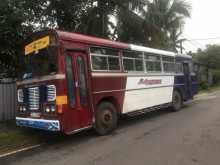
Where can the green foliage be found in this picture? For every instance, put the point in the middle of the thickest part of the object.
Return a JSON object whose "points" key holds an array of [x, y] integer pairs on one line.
{"points": [[216, 77], [203, 85], [209, 57], [12, 30], [156, 23]]}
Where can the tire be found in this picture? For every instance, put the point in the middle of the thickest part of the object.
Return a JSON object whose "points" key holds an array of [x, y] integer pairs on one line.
{"points": [[177, 101], [106, 118]]}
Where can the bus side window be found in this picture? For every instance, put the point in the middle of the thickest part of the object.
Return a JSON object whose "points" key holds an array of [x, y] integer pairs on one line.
{"points": [[105, 59], [179, 68], [70, 81], [152, 62], [82, 81], [133, 61], [168, 64]]}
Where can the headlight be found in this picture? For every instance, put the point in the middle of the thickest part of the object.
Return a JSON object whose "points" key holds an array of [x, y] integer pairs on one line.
{"points": [[20, 96], [53, 109], [24, 109], [50, 109], [47, 110], [51, 93]]}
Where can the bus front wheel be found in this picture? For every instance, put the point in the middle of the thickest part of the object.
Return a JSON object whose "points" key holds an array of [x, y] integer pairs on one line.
{"points": [[177, 101], [106, 118]]}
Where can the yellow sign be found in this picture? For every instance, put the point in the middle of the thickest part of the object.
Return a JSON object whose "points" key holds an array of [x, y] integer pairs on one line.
{"points": [[37, 45], [61, 100]]}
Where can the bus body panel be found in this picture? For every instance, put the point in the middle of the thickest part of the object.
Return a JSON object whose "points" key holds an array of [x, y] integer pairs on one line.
{"points": [[128, 91], [108, 87], [147, 91]]}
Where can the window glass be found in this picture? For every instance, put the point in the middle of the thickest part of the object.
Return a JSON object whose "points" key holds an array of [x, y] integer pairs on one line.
{"points": [[179, 68], [149, 66], [191, 67], [168, 59], [40, 63], [99, 63], [168, 67], [128, 64], [132, 54], [152, 62], [82, 81], [104, 51], [113, 63], [153, 66], [70, 81], [139, 65], [151, 57], [133, 61], [105, 59], [168, 64], [157, 66]]}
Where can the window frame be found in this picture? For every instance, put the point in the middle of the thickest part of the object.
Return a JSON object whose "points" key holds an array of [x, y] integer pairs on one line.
{"points": [[121, 58], [81, 94], [105, 55], [179, 63], [169, 62], [159, 61], [133, 61], [72, 97]]}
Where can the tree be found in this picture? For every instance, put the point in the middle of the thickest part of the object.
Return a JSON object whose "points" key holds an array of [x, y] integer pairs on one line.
{"points": [[155, 23], [209, 57], [12, 32], [164, 22]]}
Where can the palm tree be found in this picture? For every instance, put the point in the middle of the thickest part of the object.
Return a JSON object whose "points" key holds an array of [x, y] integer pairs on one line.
{"points": [[96, 19], [130, 21], [164, 21]]}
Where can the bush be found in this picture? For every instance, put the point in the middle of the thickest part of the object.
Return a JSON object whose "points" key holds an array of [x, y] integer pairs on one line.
{"points": [[203, 85], [216, 77]]}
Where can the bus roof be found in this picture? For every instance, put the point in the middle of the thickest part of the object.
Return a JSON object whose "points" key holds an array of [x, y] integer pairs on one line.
{"points": [[108, 43], [91, 40], [151, 50], [184, 56]]}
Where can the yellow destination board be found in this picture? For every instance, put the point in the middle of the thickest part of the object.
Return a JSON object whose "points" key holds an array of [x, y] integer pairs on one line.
{"points": [[37, 45]]}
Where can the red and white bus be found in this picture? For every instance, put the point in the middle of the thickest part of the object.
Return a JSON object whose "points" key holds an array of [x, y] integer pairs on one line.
{"points": [[71, 82]]}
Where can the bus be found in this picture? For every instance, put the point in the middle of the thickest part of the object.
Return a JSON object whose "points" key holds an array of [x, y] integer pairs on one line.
{"points": [[71, 82]]}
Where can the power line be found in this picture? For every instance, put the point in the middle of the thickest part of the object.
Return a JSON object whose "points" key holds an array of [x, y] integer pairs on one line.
{"points": [[205, 39]]}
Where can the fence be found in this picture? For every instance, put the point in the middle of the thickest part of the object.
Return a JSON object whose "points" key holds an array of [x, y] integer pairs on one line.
{"points": [[8, 99]]}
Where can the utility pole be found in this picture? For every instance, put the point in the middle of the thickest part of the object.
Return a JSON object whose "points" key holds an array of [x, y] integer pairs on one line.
{"points": [[181, 46]]}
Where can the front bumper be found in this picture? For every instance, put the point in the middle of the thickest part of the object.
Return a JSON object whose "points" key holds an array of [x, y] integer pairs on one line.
{"points": [[50, 125]]}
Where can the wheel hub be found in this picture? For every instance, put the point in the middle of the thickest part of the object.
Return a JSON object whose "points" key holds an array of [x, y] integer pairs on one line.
{"points": [[106, 118]]}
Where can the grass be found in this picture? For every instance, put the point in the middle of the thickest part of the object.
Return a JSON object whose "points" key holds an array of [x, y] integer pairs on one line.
{"points": [[210, 89], [13, 137]]}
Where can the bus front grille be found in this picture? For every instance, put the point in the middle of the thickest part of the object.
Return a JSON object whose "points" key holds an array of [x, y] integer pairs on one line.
{"points": [[34, 98]]}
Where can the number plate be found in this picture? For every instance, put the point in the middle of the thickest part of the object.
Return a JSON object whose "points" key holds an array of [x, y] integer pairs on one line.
{"points": [[35, 115]]}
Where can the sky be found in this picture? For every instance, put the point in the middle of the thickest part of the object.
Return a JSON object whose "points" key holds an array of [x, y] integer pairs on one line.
{"points": [[203, 24]]}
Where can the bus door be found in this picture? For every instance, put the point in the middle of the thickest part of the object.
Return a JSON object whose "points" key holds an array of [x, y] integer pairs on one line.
{"points": [[79, 113], [187, 82]]}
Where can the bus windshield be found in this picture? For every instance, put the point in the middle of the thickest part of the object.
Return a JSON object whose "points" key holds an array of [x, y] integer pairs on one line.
{"points": [[40, 63]]}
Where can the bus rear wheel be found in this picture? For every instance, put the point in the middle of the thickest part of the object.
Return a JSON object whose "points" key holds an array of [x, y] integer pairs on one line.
{"points": [[177, 101], [106, 118]]}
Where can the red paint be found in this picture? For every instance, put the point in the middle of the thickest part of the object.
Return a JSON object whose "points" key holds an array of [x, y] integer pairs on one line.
{"points": [[99, 88], [74, 37]]}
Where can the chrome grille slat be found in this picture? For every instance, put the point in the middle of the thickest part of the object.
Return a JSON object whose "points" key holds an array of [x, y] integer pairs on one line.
{"points": [[34, 98], [51, 93], [20, 95]]}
